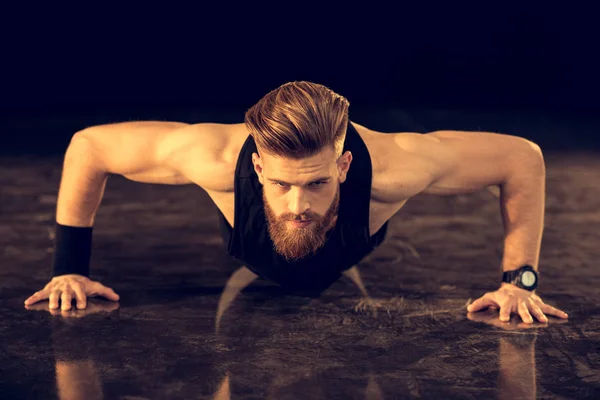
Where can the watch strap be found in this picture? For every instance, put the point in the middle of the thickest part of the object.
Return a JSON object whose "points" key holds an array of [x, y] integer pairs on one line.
{"points": [[510, 276]]}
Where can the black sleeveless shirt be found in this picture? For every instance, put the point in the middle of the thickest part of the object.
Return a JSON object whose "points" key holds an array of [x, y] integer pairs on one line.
{"points": [[348, 243]]}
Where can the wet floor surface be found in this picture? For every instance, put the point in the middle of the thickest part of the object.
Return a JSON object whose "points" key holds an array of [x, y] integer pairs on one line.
{"points": [[193, 324]]}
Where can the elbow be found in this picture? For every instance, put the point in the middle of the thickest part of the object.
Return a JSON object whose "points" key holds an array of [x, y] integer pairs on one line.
{"points": [[537, 154], [82, 152], [80, 136], [79, 145], [532, 157], [535, 148]]}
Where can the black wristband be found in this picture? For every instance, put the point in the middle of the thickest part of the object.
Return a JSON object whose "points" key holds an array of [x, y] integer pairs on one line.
{"points": [[72, 250]]}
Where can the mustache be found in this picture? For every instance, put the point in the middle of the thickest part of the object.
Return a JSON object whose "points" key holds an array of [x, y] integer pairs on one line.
{"points": [[304, 217]]}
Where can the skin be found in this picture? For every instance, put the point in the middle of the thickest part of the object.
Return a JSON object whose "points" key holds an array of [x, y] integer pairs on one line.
{"points": [[301, 190], [404, 164], [294, 187]]}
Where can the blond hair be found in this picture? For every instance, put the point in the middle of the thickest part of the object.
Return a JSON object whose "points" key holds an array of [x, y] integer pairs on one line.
{"points": [[298, 119]]}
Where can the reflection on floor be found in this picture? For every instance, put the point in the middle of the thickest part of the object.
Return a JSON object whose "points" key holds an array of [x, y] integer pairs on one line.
{"points": [[193, 324]]}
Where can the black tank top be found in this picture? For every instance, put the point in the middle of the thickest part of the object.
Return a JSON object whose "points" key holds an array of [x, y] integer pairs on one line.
{"points": [[347, 244]]}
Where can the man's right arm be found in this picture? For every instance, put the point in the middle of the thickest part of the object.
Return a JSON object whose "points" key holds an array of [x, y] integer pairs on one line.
{"points": [[82, 185], [169, 153], [135, 150], [147, 151]]}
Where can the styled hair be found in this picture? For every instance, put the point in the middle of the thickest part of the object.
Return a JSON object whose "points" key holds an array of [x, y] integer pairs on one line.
{"points": [[298, 119]]}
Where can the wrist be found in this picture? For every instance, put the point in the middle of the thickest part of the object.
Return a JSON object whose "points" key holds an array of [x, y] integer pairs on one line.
{"points": [[72, 250], [525, 277]]}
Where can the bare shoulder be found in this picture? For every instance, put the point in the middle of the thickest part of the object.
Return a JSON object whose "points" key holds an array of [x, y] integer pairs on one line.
{"points": [[399, 172], [206, 154]]}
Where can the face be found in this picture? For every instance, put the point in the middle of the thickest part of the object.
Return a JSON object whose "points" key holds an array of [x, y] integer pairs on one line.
{"points": [[301, 199]]}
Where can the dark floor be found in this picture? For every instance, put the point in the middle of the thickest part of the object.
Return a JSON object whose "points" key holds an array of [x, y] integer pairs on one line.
{"points": [[180, 332]]}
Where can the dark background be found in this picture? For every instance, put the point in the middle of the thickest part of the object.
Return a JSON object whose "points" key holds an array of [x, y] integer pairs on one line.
{"points": [[524, 70], [527, 70]]}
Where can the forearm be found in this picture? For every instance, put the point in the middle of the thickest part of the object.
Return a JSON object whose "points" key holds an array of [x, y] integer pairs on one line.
{"points": [[522, 200], [81, 187]]}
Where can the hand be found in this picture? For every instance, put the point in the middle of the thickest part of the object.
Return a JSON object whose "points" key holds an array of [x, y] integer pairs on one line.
{"points": [[512, 299], [67, 287], [490, 317]]}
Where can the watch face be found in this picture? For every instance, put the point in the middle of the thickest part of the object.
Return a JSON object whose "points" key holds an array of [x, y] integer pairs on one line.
{"points": [[528, 278]]}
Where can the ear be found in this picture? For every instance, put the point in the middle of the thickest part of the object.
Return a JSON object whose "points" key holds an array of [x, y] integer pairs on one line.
{"points": [[343, 165], [258, 167]]}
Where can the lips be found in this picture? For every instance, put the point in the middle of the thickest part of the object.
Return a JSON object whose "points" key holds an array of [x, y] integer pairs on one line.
{"points": [[301, 223]]}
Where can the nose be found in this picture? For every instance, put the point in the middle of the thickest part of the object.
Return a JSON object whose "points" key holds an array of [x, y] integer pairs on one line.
{"points": [[298, 204]]}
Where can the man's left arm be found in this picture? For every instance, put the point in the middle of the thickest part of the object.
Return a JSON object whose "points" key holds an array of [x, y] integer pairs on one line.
{"points": [[465, 162]]}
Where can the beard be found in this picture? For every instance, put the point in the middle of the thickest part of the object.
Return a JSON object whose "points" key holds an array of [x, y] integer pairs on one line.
{"points": [[295, 243]]}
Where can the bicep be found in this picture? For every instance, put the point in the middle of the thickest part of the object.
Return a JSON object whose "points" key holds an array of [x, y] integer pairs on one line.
{"points": [[135, 150], [466, 162]]}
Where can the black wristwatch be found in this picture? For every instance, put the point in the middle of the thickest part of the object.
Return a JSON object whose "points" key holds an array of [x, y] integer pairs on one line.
{"points": [[525, 277]]}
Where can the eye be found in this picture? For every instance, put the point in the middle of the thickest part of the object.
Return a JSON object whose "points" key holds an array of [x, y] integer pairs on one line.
{"points": [[317, 184], [279, 184]]}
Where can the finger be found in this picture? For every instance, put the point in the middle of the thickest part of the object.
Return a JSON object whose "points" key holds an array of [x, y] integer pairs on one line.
{"points": [[536, 311], [524, 312], [36, 307], [107, 293], [37, 296], [80, 296], [481, 303], [549, 310], [505, 311], [54, 295], [66, 299]]}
